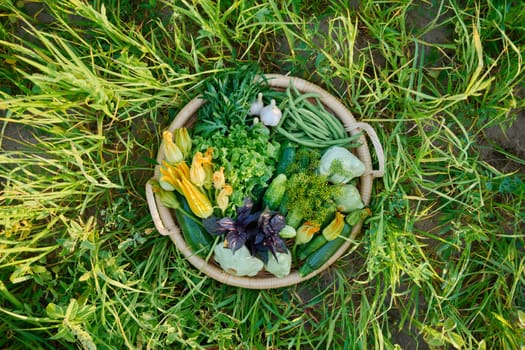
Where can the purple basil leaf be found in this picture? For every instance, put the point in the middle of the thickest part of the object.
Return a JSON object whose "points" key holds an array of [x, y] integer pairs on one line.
{"points": [[264, 219], [235, 240], [259, 238], [245, 210], [271, 248], [227, 224], [212, 226], [247, 219], [280, 245], [277, 222]]}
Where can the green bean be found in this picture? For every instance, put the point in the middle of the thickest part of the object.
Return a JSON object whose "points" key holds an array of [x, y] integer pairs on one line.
{"points": [[315, 134], [335, 123], [305, 96], [310, 123], [321, 126], [319, 143], [329, 118], [301, 141], [284, 116], [298, 134], [309, 127], [315, 119], [344, 141]]}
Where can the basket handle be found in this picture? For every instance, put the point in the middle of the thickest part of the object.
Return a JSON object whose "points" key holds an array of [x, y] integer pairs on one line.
{"points": [[375, 142], [152, 204]]}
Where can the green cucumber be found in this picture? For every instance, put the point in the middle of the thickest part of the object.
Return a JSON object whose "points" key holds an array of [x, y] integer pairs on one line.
{"points": [[286, 158], [294, 218], [303, 159], [192, 229], [275, 192], [283, 206], [319, 257]]}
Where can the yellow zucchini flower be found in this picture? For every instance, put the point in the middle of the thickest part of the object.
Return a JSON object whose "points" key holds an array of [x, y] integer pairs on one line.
{"points": [[306, 231], [223, 198], [335, 227], [177, 177], [172, 152], [167, 178], [199, 204], [208, 168], [183, 141], [218, 179], [197, 173], [201, 171]]}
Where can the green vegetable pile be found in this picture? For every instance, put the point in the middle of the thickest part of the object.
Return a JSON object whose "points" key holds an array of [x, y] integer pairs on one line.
{"points": [[287, 178]]}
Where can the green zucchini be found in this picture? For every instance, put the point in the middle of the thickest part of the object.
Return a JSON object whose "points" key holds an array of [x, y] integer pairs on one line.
{"points": [[317, 259], [275, 192], [305, 250], [192, 229]]}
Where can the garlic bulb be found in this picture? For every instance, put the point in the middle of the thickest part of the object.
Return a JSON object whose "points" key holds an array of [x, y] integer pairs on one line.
{"points": [[257, 105], [271, 114]]}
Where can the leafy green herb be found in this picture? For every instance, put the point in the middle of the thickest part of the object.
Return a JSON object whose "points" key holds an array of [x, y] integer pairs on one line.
{"points": [[311, 195], [228, 98]]}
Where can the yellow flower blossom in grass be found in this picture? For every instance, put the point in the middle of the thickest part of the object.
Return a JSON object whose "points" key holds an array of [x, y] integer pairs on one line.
{"points": [[172, 152]]}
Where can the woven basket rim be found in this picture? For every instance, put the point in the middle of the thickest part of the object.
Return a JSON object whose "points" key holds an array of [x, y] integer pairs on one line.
{"points": [[166, 224]]}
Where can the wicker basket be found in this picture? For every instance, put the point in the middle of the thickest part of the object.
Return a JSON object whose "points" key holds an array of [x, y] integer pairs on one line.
{"points": [[166, 224]]}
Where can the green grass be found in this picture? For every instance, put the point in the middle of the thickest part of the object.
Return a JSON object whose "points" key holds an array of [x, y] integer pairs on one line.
{"points": [[441, 262]]}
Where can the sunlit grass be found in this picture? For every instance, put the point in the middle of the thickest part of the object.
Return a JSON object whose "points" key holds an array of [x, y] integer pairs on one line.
{"points": [[83, 100]]}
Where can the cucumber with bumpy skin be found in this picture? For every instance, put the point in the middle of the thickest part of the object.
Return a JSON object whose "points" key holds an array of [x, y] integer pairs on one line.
{"points": [[318, 258], [275, 192], [294, 218], [286, 159], [283, 206]]}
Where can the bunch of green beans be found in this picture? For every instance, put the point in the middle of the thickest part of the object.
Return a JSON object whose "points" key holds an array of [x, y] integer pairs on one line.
{"points": [[310, 124]]}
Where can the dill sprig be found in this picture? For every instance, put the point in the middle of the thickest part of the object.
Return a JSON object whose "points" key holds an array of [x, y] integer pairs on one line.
{"points": [[310, 194]]}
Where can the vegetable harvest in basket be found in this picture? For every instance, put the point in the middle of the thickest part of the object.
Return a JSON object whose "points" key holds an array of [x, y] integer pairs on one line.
{"points": [[264, 180]]}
